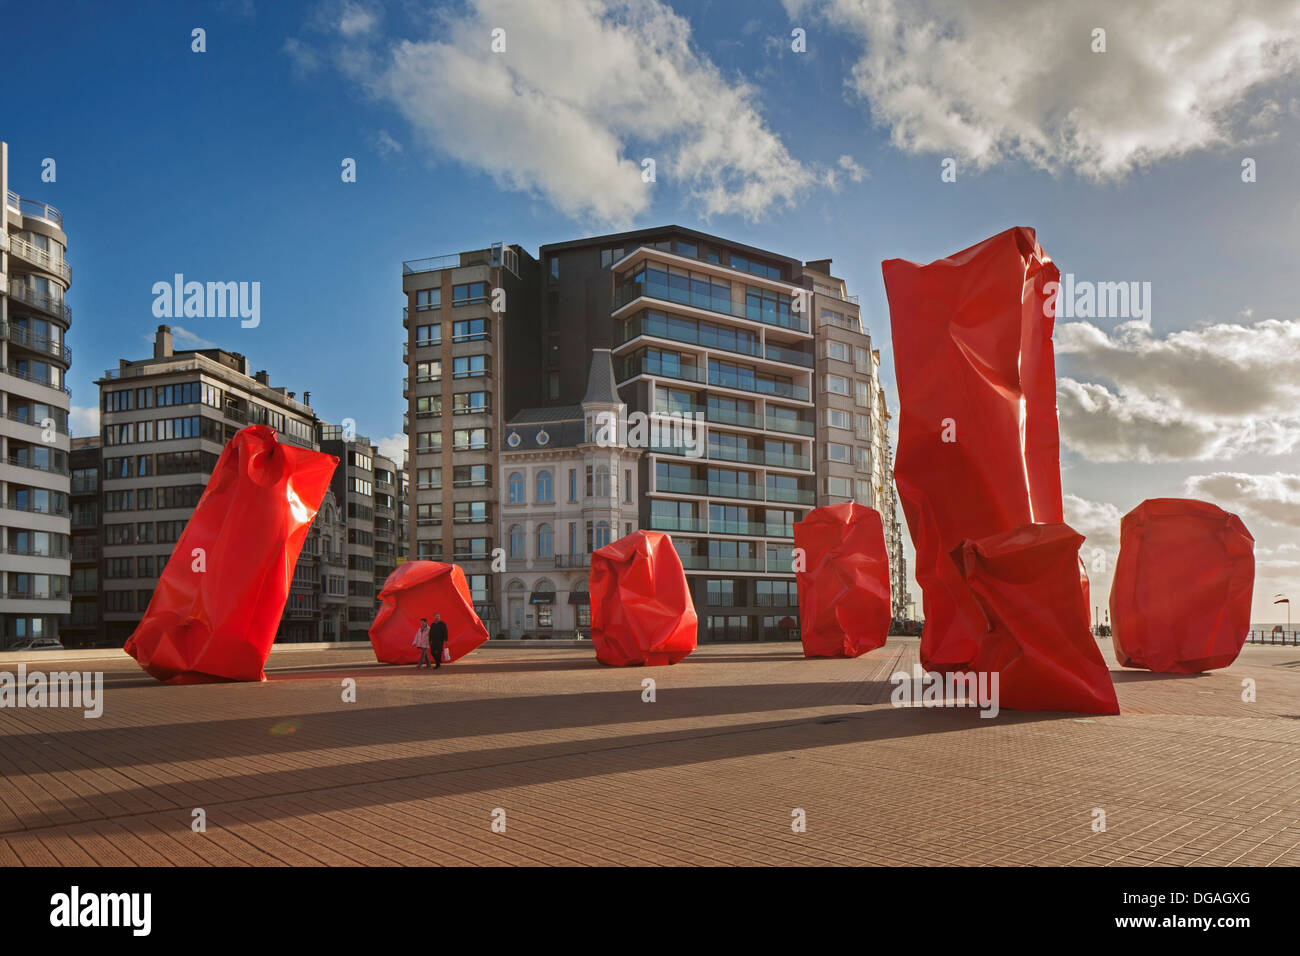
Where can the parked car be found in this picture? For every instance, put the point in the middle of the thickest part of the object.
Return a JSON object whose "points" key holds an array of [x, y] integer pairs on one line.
{"points": [[36, 644]]}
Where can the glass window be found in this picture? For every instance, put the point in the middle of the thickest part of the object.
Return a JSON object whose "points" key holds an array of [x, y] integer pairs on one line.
{"points": [[515, 486], [545, 487]]}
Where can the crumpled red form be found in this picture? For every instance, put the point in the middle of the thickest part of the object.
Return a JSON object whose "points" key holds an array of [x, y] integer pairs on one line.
{"points": [[844, 587], [1037, 623], [219, 600], [641, 607], [421, 589], [1180, 598], [978, 449]]}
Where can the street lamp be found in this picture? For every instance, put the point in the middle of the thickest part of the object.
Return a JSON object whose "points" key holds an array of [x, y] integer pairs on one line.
{"points": [[1283, 599]]}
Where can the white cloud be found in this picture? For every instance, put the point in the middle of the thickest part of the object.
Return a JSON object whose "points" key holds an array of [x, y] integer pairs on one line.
{"points": [[850, 166], [1214, 392], [355, 20], [302, 58], [190, 340], [394, 447], [1019, 79], [84, 420], [1274, 497], [385, 144], [584, 91], [1098, 521]]}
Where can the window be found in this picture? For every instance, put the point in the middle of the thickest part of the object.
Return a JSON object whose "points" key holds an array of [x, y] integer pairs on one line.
{"points": [[838, 351], [428, 479], [515, 486], [468, 366], [545, 487], [837, 452], [604, 483], [469, 293], [471, 512], [428, 371], [573, 537], [721, 593], [516, 541], [627, 486], [862, 360], [470, 476], [428, 443], [610, 256], [836, 384], [602, 534], [545, 541], [838, 419], [862, 394], [862, 427], [553, 385], [839, 487], [428, 299], [469, 330], [688, 249], [470, 439], [865, 495], [428, 406], [426, 335], [555, 267], [470, 403], [864, 459], [573, 484]]}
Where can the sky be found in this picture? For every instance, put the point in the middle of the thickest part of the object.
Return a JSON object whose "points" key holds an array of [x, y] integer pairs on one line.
{"points": [[1160, 151]]}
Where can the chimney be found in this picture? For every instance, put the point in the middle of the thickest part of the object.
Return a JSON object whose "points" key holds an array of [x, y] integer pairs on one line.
{"points": [[162, 342], [306, 399], [262, 378]]}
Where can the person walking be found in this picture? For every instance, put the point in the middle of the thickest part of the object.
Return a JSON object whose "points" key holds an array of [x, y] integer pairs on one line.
{"points": [[437, 639], [422, 642]]}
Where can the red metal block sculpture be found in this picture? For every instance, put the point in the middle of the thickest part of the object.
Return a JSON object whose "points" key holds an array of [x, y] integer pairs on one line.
{"points": [[641, 608], [421, 589], [844, 587], [1038, 637], [978, 451], [218, 603], [1180, 598]]}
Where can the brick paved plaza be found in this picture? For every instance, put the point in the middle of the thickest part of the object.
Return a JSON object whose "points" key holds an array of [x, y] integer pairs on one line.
{"points": [[587, 773]]}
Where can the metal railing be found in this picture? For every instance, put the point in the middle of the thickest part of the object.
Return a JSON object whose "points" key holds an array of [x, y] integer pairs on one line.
{"points": [[39, 257], [34, 208], [49, 469], [29, 377], [40, 300], [35, 341], [1273, 634], [455, 260]]}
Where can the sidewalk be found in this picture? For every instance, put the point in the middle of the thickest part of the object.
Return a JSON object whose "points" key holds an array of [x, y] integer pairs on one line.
{"points": [[584, 771]]}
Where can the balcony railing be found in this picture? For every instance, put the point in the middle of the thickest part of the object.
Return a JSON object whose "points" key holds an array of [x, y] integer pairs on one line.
{"points": [[34, 208], [35, 341], [678, 523], [631, 291], [795, 426], [52, 305], [455, 260], [797, 496], [39, 257], [23, 417], [29, 377], [48, 469], [572, 560]]}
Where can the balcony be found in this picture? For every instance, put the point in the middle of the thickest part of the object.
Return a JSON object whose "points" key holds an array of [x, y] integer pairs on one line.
{"points": [[48, 469], [40, 258], [730, 563], [795, 426], [678, 523], [39, 300], [754, 529], [24, 417], [725, 416], [455, 260], [628, 292], [796, 496], [735, 489], [33, 208], [633, 367], [573, 560], [776, 353]]}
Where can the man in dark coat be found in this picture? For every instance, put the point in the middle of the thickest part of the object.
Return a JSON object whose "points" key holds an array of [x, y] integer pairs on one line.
{"points": [[437, 639]]}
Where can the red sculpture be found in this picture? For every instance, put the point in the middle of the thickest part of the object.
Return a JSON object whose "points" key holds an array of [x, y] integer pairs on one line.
{"points": [[1180, 599], [978, 451], [1036, 620], [421, 589], [641, 608], [218, 602], [844, 587]]}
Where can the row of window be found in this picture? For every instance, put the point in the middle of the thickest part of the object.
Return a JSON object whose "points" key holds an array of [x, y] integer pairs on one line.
{"points": [[463, 294], [143, 499], [462, 439], [463, 403], [163, 463], [164, 429], [144, 532], [730, 593], [159, 396]]}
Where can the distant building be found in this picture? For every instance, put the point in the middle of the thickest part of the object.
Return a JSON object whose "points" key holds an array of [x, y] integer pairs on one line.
{"points": [[567, 489]]}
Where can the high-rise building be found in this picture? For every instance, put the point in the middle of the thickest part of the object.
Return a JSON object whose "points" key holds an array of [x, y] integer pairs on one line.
{"points": [[35, 530], [163, 422], [472, 334], [82, 628], [752, 369]]}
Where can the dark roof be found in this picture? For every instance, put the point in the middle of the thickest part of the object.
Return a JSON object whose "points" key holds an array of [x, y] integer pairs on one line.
{"points": [[555, 413], [559, 434], [601, 385], [657, 231]]}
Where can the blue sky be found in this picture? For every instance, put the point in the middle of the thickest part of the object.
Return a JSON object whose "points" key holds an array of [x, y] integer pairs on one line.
{"points": [[225, 165]]}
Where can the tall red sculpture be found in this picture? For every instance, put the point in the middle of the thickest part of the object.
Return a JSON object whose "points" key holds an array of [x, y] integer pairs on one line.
{"points": [[421, 589], [641, 607], [219, 600], [844, 586], [1180, 599], [978, 451], [1036, 620]]}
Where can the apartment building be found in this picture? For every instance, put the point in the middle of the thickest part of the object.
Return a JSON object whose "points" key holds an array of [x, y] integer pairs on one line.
{"points": [[472, 329], [163, 423], [35, 529], [81, 627], [317, 606], [570, 486], [765, 353]]}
